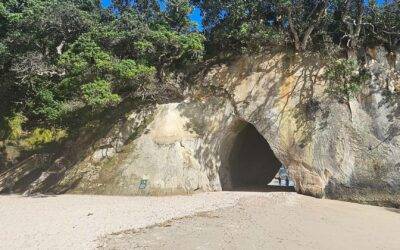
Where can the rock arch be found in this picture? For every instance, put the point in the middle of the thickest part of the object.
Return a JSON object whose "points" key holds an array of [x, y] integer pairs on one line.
{"points": [[247, 160]]}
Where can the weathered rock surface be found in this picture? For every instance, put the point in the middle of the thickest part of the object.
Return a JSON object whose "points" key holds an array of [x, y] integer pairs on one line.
{"points": [[174, 151], [338, 150], [330, 148]]}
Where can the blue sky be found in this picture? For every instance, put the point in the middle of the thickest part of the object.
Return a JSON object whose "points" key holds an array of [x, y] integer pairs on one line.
{"points": [[195, 15]]}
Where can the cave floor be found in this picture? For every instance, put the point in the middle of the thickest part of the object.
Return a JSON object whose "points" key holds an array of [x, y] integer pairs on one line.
{"points": [[221, 220]]}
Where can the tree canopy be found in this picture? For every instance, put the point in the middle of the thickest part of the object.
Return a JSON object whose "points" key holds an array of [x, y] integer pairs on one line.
{"points": [[59, 57], [63, 56], [303, 25]]}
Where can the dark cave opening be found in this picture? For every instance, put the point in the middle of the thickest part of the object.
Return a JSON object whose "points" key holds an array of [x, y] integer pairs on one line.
{"points": [[248, 162]]}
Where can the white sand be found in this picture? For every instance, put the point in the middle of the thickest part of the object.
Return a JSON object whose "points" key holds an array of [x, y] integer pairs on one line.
{"points": [[75, 222], [258, 221], [273, 221]]}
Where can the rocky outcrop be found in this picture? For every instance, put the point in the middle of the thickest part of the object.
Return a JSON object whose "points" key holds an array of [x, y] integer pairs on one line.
{"points": [[338, 150], [172, 152], [345, 151]]}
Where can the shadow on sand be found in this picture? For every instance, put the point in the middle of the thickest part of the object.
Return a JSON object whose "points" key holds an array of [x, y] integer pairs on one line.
{"points": [[394, 210], [267, 189], [35, 196]]}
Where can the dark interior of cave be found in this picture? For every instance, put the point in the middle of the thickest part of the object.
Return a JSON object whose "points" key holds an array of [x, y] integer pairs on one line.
{"points": [[250, 163]]}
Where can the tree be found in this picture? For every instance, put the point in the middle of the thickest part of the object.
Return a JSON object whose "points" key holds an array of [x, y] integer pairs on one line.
{"points": [[237, 26], [165, 48], [303, 17], [34, 33], [345, 79], [91, 70], [98, 94], [383, 25], [59, 57], [62, 57], [177, 15]]}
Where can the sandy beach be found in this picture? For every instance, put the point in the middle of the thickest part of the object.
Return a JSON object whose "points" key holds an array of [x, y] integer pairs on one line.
{"points": [[225, 220]]}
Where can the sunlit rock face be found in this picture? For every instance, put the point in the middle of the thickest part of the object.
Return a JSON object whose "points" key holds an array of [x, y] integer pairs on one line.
{"points": [[338, 150], [174, 151]]}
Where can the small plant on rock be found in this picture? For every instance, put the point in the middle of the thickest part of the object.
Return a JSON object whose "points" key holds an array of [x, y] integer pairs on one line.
{"points": [[345, 79], [14, 125]]}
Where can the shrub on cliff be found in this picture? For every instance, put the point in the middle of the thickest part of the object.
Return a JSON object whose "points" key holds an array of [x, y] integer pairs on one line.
{"points": [[345, 78]]}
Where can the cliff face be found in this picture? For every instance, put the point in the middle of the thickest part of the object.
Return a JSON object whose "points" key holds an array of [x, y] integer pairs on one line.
{"points": [[264, 111], [339, 150]]}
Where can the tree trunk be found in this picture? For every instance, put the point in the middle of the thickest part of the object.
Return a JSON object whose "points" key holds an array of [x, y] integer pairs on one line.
{"points": [[293, 31], [161, 75], [302, 45], [353, 26], [310, 29]]}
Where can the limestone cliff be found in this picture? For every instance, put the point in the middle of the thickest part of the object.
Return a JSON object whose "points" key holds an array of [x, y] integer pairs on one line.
{"points": [[262, 111]]}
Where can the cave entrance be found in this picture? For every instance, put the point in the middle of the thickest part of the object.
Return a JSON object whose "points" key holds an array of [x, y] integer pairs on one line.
{"points": [[248, 162]]}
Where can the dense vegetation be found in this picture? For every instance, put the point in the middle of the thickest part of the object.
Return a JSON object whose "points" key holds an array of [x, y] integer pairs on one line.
{"points": [[63, 59]]}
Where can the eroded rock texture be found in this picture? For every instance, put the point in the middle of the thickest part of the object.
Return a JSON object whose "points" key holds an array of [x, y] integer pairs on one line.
{"points": [[347, 151], [224, 138], [175, 152]]}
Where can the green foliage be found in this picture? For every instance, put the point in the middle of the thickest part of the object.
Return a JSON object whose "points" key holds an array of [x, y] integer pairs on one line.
{"points": [[177, 12], [14, 126], [61, 60], [12, 129], [165, 48], [86, 61], [98, 94], [130, 70], [33, 34], [254, 37], [345, 79], [85, 57], [237, 26], [41, 136], [46, 106], [384, 25]]}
